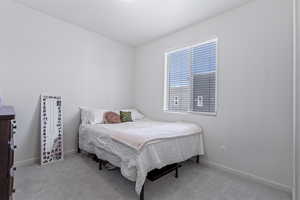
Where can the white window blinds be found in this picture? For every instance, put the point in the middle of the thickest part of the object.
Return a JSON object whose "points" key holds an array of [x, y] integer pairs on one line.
{"points": [[191, 78]]}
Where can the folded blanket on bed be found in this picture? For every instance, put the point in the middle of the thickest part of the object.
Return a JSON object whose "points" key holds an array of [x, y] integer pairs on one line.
{"points": [[138, 135]]}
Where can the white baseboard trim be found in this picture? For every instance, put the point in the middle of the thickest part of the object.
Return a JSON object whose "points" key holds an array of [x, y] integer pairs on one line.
{"points": [[247, 175], [36, 160]]}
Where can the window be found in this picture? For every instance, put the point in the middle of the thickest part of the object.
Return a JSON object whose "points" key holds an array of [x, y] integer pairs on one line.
{"points": [[200, 101], [191, 78], [176, 100]]}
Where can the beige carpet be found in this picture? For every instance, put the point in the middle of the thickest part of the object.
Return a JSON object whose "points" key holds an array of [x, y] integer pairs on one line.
{"points": [[78, 178]]}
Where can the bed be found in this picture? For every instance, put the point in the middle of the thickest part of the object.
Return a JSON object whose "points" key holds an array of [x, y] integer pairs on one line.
{"points": [[141, 146]]}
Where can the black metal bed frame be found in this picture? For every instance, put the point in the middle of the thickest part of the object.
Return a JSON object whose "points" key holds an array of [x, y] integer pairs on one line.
{"points": [[152, 175]]}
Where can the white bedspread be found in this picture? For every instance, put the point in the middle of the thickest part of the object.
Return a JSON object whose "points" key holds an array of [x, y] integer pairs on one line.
{"points": [[141, 146]]}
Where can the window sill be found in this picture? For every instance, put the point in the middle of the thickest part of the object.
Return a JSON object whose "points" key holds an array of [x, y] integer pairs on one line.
{"points": [[214, 114]]}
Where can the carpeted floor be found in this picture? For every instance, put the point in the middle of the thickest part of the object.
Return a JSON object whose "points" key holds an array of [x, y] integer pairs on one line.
{"points": [[78, 178]]}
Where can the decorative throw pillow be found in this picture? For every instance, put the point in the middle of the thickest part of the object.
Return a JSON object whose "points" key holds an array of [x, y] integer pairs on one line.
{"points": [[125, 116], [111, 118], [135, 114]]}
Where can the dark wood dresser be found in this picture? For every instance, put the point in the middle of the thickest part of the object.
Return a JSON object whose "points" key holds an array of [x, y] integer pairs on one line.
{"points": [[7, 148]]}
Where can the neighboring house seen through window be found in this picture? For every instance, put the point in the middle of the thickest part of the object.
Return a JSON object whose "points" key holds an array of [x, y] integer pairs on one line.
{"points": [[199, 101], [191, 75], [176, 100]]}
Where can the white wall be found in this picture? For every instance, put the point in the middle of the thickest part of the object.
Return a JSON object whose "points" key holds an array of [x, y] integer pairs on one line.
{"points": [[297, 175], [254, 121], [42, 54]]}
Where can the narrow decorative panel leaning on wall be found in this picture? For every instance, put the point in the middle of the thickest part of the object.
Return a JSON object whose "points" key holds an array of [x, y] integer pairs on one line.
{"points": [[51, 129]]}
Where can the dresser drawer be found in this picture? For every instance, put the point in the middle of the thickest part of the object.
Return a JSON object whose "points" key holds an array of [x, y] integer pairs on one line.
{"points": [[11, 189], [13, 131], [4, 189], [4, 148], [11, 158], [13, 127]]}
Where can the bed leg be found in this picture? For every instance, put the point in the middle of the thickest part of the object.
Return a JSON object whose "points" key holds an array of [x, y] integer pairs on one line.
{"points": [[95, 158], [78, 150], [176, 173], [142, 194], [100, 164], [198, 159]]}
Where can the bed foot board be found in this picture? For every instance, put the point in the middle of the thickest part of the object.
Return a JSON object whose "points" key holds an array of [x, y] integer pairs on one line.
{"points": [[198, 159], [142, 194]]}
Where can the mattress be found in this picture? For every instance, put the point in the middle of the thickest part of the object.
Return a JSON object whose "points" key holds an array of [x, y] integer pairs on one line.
{"points": [[163, 145]]}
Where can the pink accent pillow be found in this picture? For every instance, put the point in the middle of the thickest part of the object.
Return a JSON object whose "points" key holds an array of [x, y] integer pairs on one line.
{"points": [[111, 118]]}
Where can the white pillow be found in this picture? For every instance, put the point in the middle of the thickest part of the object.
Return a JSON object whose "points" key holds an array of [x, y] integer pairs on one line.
{"points": [[92, 115], [135, 114]]}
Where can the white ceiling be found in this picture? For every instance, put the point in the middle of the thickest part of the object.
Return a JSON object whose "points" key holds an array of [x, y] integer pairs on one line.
{"points": [[133, 22]]}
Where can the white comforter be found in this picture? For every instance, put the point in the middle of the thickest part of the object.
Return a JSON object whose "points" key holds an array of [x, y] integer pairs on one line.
{"points": [[141, 146]]}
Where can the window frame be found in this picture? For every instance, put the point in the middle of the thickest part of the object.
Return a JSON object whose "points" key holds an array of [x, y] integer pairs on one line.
{"points": [[166, 79]]}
